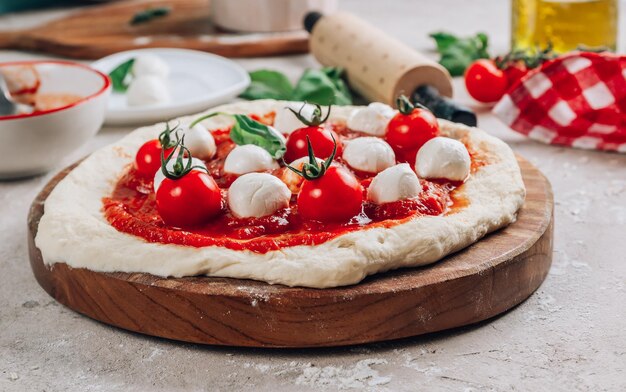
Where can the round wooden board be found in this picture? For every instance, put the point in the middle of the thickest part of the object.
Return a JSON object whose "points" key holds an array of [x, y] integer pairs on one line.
{"points": [[477, 283]]}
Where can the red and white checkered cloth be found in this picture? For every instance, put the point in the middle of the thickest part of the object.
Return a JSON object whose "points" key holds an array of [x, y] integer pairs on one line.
{"points": [[577, 100]]}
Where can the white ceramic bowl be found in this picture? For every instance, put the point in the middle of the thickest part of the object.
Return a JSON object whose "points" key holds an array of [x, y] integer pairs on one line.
{"points": [[33, 143]]}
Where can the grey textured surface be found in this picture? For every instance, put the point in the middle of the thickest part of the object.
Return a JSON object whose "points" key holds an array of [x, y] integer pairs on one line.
{"points": [[570, 335]]}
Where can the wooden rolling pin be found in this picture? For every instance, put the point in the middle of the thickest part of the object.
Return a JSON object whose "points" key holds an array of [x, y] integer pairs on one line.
{"points": [[380, 67]]}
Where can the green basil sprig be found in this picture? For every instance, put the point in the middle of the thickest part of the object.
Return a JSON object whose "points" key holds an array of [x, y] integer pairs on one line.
{"points": [[267, 84], [120, 76], [324, 86], [458, 53], [249, 131]]}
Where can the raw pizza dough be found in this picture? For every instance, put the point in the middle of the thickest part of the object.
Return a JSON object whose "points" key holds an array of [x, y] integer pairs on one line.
{"points": [[73, 229]]}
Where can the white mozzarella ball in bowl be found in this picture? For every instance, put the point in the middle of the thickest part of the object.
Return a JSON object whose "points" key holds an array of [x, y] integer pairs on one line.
{"points": [[150, 64], [254, 195], [147, 90]]}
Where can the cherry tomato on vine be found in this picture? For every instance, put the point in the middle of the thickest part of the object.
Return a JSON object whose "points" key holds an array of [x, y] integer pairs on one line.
{"points": [[336, 196], [329, 193], [410, 129], [190, 200], [514, 73], [148, 158], [485, 82], [321, 140]]}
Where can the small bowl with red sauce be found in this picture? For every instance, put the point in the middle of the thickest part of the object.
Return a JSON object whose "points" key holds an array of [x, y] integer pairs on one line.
{"points": [[69, 103]]}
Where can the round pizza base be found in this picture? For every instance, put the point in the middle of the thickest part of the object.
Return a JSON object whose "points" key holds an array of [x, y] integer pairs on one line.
{"points": [[74, 230], [474, 284]]}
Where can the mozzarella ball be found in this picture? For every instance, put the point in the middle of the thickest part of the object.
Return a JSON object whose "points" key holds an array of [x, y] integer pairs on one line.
{"points": [[200, 142], [254, 195], [249, 158], [149, 64], [147, 90], [293, 180], [159, 176], [287, 122], [443, 157], [398, 182], [372, 119], [369, 154]]}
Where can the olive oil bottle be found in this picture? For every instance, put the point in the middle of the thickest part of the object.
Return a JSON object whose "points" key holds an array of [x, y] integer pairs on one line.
{"points": [[566, 24]]}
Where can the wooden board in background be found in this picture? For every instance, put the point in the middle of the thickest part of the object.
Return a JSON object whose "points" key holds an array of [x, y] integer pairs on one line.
{"points": [[479, 282], [98, 31]]}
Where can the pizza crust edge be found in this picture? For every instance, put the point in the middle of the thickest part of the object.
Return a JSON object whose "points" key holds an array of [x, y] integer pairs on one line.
{"points": [[73, 229]]}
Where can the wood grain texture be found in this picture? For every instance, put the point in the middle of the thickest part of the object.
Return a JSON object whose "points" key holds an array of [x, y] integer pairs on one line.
{"points": [[98, 31], [477, 283]]}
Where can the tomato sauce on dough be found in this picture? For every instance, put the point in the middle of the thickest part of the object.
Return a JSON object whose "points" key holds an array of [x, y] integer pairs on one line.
{"points": [[131, 208]]}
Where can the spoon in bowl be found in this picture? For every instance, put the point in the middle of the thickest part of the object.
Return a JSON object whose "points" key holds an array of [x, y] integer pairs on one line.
{"points": [[8, 106]]}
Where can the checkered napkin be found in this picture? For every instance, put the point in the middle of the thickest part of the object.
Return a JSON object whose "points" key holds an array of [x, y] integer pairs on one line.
{"points": [[577, 100]]}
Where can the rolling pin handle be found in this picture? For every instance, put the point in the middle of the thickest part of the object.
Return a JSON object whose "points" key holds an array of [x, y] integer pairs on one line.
{"points": [[310, 19], [443, 107], [429, 96]]}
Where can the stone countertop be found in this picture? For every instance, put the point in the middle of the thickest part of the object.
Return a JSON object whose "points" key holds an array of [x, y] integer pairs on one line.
{"points": [[569, 335]]}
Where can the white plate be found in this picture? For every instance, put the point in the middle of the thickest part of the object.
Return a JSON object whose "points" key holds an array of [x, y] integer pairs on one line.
{"points": [[197, 81]]}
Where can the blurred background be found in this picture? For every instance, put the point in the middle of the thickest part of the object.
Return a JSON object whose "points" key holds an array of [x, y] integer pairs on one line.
{"points": [[601, 14]]}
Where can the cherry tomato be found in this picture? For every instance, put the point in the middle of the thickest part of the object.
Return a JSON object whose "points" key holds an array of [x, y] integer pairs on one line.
{"points": [[514, 73], [148, 158], [406, 133], [321, 140], [485, 82], [406, 155], [188, 201], [335, 197]]}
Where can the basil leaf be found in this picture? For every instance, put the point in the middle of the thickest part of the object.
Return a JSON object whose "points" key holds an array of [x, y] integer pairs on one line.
{"points": [[324, 87], [458, 53], [248, 131], [268, 84], [119, 75], [443, 40], [336, 75]]}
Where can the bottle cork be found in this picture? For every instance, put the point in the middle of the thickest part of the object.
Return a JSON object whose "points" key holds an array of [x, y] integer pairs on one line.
{"points": [[377, 66]]}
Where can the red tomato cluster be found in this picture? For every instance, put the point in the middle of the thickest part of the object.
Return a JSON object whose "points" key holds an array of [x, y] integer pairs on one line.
{"points": [[175, 197], [487, 83], [337, 195], [334, 196]]}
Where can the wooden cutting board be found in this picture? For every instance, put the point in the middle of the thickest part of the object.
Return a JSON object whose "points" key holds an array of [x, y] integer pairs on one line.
{"points": [[479, 282], [97, 31]]}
